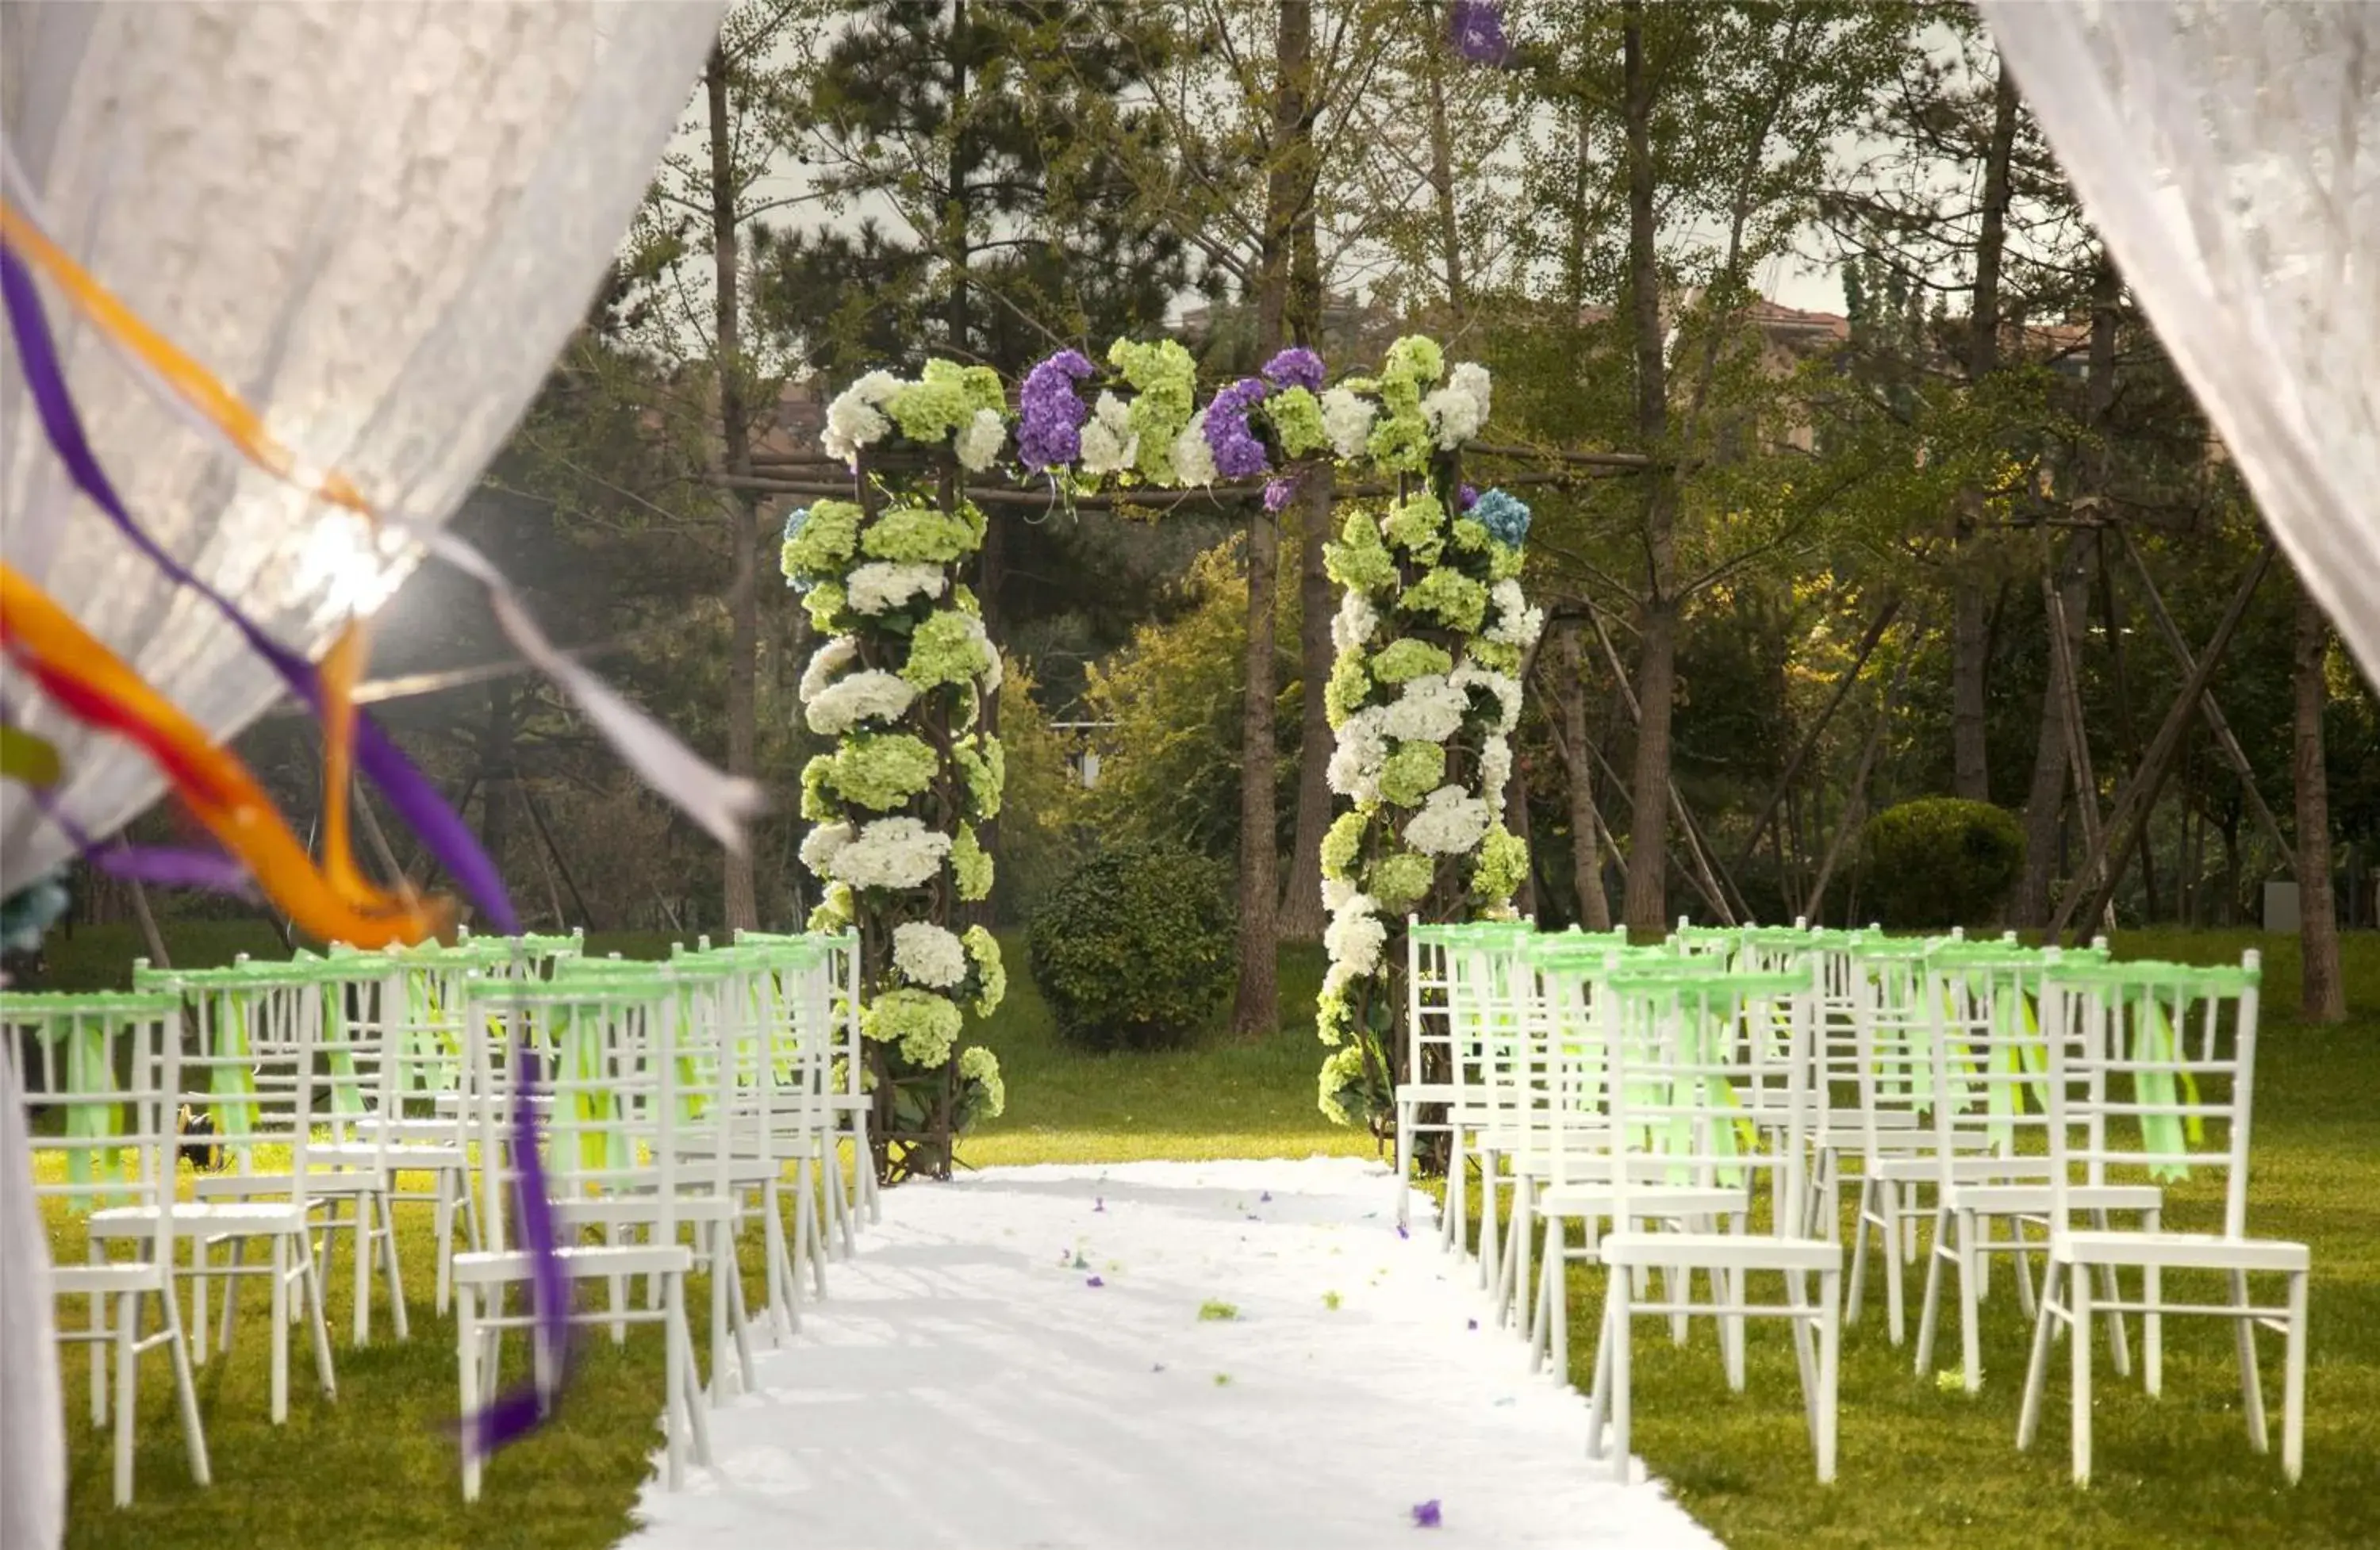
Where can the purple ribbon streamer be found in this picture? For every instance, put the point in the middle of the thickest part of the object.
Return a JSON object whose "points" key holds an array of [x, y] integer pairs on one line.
{"points": [[408, 790], [509, 1417]]}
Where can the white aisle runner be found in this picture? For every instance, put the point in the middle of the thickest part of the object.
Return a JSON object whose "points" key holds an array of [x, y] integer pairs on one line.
{"points": [[1018, 1360]]}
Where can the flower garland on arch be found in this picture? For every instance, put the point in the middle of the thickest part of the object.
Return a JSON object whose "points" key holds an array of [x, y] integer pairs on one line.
{"points": [[1424, 695], [900, 681]]}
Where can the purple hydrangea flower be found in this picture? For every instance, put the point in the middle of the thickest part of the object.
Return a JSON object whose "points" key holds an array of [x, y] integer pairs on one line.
{"points": [[1051, 413], [1238, 454], [1466, 497], [1426, 1514], [1095, 1281], [1277, 494], [1295, 366], [1475, 28]]}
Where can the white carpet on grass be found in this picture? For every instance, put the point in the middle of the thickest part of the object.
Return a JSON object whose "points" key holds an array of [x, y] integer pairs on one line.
{"points": [[966, 1384]]}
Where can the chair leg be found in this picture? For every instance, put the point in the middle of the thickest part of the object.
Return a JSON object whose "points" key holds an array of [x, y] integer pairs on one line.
{"points": [[1489, 1243], [1896, 1222], [359, 1239], [2037, 1370], [2293, 1369], [1404, 1164], [1971, 1285], [1731, 1328], [1599, 1398], [697, 1416], [2151, 1322], [1618, 1327], [99, 1370], [1930, 1313], [1805, 1359], [198, 1301], [309, 1272], [128, 1374], [2079, 1297], [280, 1337], [1855, 1296], [1830, 1340], [2251, 1386], [391, 1269], [1558, 1288], [185, 1392], [231, 1292], [2119, 1345], [741, 1313], [441, 1217], [467, 1370], [2024, 1299]]}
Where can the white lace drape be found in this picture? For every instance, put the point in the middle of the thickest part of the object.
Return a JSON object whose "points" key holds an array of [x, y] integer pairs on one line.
{"points": [[2229, 152], [378, 222]]}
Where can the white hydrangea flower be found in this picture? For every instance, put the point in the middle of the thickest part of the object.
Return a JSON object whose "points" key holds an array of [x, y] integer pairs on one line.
{"points": [[1516, 623], [820, 845], [1110, 445], [1449, 823], [1347, 420], [1336, 891], [1454, 415], [890, 852], [1355, 937], [994, 675], [1471, 377], [929, 955], [825, 663], [1356, 621], [855, 419], [1194, 460], [1495, 765], [884, 585], [1503, 685], [980, 440], [1363, 747], [1428, 709], [870, 695]]}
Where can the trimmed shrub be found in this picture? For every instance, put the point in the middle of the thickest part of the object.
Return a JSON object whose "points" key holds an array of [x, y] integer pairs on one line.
{"points": [[1135, 950], [1939, 861]]}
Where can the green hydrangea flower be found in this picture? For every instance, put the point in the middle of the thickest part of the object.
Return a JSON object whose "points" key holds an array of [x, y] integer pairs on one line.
{"points": [[1400, 881], [827, 542], [834, 912], [882, 770], [1400, 438], [1343, 694], [1297, 418], [924, 1025], [980, 1066], [949, 648], [983, 765], [1503, 866], [817, 800], [1361, 561], [1409, 775], [1449, 597], [1505, 561], [825, 603], [918, 534], [1334, 1016], [990, 973], [1417, 524], [1408, 658], [1500, 655], [977, 523], [1346, 1087], [971, 864], [1165, 380], [943, 399], [1471, 535], [1342, 842], [1416, 358]]}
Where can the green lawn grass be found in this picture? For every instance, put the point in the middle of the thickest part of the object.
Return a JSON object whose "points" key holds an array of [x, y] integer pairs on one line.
{"points": [[1919, 1466]]}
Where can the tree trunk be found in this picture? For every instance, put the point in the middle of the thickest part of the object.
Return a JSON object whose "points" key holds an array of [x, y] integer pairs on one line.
{"points": [[1516, 820], [1301, 916], [1442, 183], [1646, 908], [2322, 994], [741, 903], [1586, 844], [1255, 1011], [1970, 653], [2045, 803]]}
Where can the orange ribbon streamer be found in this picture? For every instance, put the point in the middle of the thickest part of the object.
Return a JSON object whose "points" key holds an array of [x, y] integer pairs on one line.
{"points": [[334, 902]]}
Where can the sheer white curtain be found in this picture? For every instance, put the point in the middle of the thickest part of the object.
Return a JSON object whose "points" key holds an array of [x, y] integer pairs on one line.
{"points": [[2229, 152]]}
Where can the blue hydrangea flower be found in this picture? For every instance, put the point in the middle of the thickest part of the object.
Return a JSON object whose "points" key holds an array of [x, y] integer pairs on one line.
{"points": [[1505, 517]]}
